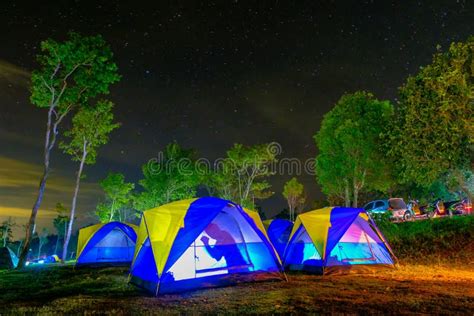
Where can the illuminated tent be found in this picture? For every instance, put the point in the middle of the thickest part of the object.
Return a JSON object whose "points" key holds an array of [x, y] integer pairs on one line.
{"points": [[278, 231], [200, 243], [111, 243], [337, 240], [8, 259]]}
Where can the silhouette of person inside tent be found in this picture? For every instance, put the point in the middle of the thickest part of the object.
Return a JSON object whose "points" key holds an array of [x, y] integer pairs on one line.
{"points": [[226, 247]]}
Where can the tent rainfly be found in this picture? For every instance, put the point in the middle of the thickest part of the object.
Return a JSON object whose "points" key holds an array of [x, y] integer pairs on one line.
{"points": [[8, 259], [278, 231], [337, 240], [110, 243], [198, 243]]}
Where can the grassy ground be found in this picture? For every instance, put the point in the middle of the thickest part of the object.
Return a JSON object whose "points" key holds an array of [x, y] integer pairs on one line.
{"points": [[440, 240], [437, 280], [408, 289]]}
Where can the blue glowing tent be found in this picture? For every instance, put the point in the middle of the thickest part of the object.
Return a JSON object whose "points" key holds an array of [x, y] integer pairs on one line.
{"points": [[200, 243], [278, 231], [8, 259], [337, 240], [110, 243]]}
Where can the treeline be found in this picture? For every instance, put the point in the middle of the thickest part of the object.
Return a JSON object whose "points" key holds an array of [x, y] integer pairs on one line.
{"points": [[242, 176], [421, 147]]}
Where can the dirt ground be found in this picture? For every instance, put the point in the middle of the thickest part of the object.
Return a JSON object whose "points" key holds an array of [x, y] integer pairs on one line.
{"points": [[410, 289]]}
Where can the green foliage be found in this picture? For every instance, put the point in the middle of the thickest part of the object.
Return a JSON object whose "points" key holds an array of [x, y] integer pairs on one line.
{"points": [[173, 177], [424, 194], [72, 71], [421, 241], [6, 233], [70, 74], [461, 181], [61, 220], [433, 131], [241, 177], [118, 197], [293, 191], [91, 127], [350, 159]]}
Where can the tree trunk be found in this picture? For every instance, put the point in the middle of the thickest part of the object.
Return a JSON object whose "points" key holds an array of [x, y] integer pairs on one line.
{"points": [[5, 236], [355, 193], [57, 243], [67, 237], [30, 228], [40, 245], [347, 198], [356, 197], [19, 247], [112, 211]]}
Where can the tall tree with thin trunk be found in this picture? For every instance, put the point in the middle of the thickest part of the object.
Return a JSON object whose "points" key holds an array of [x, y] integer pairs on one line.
{"points": [[91, 127], [293, 191], [42, 240], [69, 74], [60, 224], [350, 159], [6, 230], [118, 198]]}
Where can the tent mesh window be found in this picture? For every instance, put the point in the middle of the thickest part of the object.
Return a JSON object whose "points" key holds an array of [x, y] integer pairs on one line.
{"points": [[227, 245], [116, 246], [359, 245], [302, 250]]}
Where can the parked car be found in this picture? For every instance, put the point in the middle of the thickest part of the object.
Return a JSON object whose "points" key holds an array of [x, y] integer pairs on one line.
{"points": [[377, 207], [397, 207]]}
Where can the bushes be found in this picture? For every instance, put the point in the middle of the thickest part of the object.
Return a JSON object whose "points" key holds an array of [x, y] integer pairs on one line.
{"points": [[440, 239]]}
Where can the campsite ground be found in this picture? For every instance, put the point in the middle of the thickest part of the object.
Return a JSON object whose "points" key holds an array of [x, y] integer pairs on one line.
{"points": [[435, 276], [408, 289]]}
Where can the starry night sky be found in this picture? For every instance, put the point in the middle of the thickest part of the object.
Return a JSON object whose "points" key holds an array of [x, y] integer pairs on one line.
{"points": [[208, 74]]}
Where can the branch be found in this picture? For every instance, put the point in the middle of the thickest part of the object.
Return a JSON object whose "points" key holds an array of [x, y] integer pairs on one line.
{"points": [[66, 77], [56, 124], [47, 85], [55, 70]]}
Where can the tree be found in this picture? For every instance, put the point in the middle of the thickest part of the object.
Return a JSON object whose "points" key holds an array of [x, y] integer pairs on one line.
{"points": [[118, 197], [433, 133], [241, 177], [69, 74], [42, 240], [172, 177], [6, 232], [461, 179], [60, 223], [293, 191], [350, 159], [91, 127]]}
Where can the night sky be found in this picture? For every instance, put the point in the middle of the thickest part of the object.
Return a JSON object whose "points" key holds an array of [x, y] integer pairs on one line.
{"points": [[208, 74]]}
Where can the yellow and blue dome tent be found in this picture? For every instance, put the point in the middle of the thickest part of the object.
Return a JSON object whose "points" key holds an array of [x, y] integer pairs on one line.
{"points": [[198, 243], [337, 240], [278, 231], [110, 243]]}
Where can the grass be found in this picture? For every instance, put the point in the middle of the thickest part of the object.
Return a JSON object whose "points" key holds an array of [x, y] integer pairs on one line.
{"points": [[434, 287], [439, 240], [409, 289]]}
